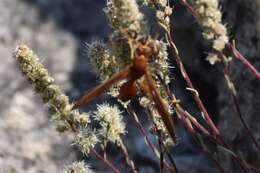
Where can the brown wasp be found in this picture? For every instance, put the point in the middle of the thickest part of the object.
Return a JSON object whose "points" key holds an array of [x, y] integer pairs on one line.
{"points": [[133, 72]]}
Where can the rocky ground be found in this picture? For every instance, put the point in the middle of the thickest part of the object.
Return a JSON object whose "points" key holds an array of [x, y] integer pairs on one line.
{"points": [[57, 31]]}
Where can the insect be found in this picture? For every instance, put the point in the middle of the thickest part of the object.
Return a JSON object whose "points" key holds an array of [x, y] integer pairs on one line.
{"points": [[138, 68]]}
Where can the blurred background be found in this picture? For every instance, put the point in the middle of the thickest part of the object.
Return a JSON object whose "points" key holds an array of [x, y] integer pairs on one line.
{"points": [[58, 30]]}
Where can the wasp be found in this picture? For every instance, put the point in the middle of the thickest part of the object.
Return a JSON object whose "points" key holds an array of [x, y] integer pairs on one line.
{"points": [[138, 76]]}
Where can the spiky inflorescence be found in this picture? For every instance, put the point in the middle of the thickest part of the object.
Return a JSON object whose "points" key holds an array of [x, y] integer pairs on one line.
{"points": [[209, 17], [160, 64], [77, 167], [111, 121], [125, 14], [43, 83], [100, 58], [105, 64], [86, 139]]}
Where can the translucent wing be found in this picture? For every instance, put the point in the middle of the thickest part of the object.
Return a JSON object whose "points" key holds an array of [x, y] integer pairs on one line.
{"points": [[89, 95], [166, 117]]}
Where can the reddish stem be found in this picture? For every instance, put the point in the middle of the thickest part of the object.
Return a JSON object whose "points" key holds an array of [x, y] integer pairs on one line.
{"points": [[221, 169], [109, 164], [199, 102], [190, 8], [236, 103], [198, 125], [141, 129], [240, 57], [184, 119], [190, 85]]}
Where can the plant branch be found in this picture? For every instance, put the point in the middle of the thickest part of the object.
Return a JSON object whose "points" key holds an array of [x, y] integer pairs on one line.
{"points": [[126, 154], [240, 57], [148, 142], [233, 94], [109, 164], [190, 85]]}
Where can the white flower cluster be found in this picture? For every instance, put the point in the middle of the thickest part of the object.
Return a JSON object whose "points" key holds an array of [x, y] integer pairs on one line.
{"points": [[110, 119], [86, 139], [78, 167], [209, 17]]}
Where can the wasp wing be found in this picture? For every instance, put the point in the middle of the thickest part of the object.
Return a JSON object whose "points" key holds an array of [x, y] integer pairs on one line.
{"points": [[89, 95], [160, 106]]}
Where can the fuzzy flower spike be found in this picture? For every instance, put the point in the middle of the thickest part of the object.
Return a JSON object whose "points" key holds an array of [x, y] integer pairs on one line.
{"points": [[209, 17], [51, 94]]}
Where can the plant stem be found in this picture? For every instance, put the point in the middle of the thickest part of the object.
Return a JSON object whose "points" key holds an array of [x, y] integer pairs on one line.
{"points": [[190, 8], [190, 85], [129, 161], [148, 142], [240, 57], [171, 160], [141, 129], [108, 163], [160, 141], [205, 149], [233, 94]]}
